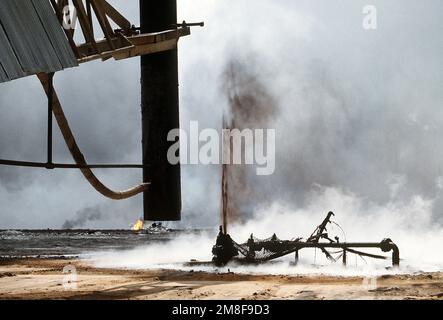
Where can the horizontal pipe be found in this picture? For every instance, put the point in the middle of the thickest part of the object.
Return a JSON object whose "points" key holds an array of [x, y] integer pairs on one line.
{"points": [[338, 245], [342, 245], [370, 255], [295, 246], [30, 164]]}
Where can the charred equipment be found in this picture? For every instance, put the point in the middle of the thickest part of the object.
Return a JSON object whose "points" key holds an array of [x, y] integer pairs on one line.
{"points": [[256, 250]]}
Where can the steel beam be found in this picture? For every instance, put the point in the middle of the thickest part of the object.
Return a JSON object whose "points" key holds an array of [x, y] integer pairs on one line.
{"points": [[160, 114]]}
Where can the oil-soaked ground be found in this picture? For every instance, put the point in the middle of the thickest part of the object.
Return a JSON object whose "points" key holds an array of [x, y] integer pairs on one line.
{"points": [[69, 243]]}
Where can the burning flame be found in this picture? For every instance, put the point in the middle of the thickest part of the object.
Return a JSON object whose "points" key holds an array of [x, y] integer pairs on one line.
{"points": [[138, 225]]}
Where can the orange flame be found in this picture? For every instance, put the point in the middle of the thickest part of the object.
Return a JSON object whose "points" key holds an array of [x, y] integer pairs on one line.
{"points": [[138, 225]]}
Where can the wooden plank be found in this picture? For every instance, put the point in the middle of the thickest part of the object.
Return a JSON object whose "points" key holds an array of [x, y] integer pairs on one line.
{"points": [[153, 42], [102, 46], [115, 16], [68, 33], [104, 23], [58, 12], [156, 37], [8, 61], [89, 13], [84, 23], [134, 46], [55, 33], [61, 4], [147, 49]]}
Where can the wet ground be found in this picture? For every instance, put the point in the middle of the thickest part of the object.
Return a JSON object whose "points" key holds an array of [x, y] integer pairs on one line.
{"points": [[71, 243]]}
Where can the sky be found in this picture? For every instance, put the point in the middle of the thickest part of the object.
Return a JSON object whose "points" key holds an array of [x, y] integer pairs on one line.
{"points": [[359, 112]]}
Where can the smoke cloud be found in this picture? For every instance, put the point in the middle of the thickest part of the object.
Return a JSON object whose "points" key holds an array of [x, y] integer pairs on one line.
{"points": [[357, 111], [250, 106], [82, 217]]}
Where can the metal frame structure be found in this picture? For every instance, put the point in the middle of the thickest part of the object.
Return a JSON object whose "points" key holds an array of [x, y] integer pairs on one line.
{"points": [[122, 43], [126, 41]]}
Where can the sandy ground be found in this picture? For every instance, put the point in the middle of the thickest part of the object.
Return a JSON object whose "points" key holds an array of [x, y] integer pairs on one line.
{"points": [[44, 279]]}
